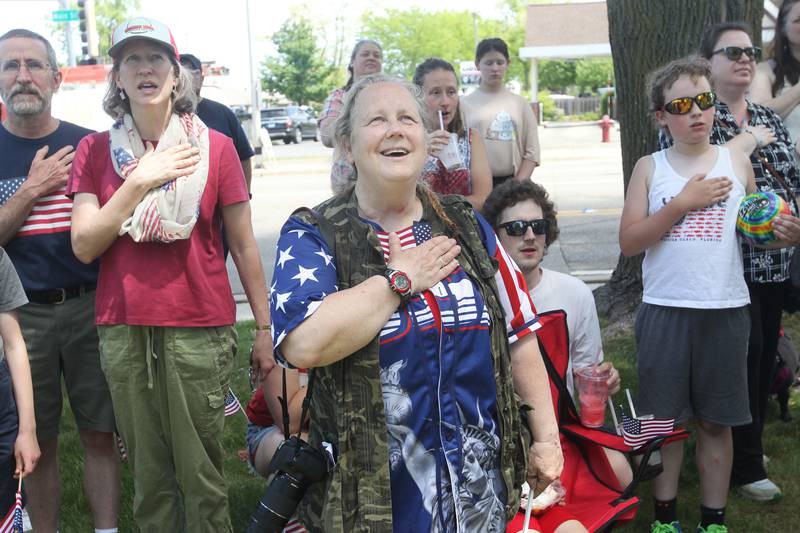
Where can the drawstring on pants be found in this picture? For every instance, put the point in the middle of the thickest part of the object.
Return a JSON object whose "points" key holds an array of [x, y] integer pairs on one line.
{"points": [[150, 353]]}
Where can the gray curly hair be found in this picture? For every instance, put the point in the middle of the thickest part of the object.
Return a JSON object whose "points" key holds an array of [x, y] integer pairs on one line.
{"points": [[184, 99]]}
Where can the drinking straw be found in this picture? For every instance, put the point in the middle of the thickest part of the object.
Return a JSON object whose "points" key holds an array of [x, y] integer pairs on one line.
{"points": [[441, 120], [529, 507], [630, 402], [613, 415]]}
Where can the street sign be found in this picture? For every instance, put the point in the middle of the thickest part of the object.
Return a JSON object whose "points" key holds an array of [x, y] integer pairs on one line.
{"points": [[65, 15]]}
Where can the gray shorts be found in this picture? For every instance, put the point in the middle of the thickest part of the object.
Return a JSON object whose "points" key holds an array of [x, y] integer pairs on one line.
{"points": [[693, 362], [62, 342]]}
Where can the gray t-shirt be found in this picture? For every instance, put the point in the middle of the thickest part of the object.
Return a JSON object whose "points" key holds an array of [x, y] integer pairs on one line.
{"points": [[11, 294]]}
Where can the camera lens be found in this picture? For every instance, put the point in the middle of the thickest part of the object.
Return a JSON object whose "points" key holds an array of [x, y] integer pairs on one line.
{"points": [[277, 504]]}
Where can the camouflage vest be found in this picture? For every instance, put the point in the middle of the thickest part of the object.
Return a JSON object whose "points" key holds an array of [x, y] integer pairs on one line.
{"points": [[347, 407]]}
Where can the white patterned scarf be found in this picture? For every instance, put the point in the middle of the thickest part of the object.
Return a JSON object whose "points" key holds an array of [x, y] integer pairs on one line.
{"points": [[169, 212]]}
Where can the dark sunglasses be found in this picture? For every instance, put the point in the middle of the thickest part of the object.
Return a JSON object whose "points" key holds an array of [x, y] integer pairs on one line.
{"points": [[517, 228], [735, 52], [682, 105]]}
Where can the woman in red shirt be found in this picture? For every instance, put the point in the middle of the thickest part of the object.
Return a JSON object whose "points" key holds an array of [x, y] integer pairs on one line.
{"points": [[150, 197]]}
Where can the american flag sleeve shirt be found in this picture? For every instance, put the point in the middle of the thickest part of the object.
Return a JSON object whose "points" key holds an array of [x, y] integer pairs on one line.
{"points": [[436, 375]]}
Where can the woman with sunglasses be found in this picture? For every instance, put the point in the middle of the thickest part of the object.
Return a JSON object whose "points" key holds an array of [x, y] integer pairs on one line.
{"points": [[776, 80], [472, 178], [691, 329], [758, 131], [504, 120]]}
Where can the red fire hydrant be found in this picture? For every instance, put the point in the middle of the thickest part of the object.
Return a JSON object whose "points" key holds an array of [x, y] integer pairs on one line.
{"points": [[605, 125]]}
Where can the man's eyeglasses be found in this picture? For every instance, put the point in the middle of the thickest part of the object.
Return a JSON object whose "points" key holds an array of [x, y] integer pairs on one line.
{"points": [[13, 66], [517, 228], [682, 105], [735, 52]]}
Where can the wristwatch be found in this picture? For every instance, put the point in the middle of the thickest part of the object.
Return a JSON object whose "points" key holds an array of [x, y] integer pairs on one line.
{"points": [[399, 283]]}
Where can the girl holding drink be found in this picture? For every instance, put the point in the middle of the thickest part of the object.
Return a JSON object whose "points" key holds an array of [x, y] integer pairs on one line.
{"points": [[471, 177]]}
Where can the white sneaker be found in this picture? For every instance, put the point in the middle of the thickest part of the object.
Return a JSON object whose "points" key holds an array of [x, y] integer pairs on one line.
{"points": [[762, 490]]}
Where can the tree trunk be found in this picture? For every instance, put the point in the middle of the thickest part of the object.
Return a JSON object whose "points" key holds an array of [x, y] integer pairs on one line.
{"points": [[645, 35]]}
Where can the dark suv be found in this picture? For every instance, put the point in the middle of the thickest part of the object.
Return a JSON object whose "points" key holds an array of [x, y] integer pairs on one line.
{"points": [[291, 123]]}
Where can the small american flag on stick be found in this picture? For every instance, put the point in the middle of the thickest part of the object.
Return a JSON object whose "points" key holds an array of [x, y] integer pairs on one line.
{"points": [[636, 432], [12, 523], [232, 405]]}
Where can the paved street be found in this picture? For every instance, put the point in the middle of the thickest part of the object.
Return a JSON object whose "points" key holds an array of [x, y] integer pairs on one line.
{"points": [[583, 176]]}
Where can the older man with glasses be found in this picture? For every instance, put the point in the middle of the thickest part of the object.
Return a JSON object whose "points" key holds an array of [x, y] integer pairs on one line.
{"points": [[58, 323]]}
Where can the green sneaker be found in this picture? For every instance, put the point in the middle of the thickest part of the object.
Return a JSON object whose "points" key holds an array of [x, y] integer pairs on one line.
{"points": [[658, 527], [713, 528]]}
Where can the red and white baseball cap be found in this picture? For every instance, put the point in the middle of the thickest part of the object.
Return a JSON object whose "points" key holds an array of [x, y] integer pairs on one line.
{"points": [[142, 28]]}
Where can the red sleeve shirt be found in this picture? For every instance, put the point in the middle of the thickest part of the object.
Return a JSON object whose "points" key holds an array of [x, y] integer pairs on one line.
{"points": [[183, 283]]}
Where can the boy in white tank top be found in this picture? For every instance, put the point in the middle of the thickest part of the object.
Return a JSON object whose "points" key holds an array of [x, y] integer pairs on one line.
{"points": [[693, 325]]}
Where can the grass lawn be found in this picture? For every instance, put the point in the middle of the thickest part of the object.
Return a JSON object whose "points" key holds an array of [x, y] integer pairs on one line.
{"points": [[744, 516]]}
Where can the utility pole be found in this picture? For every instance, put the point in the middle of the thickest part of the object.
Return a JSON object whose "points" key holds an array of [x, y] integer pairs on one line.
{"points": [[475, 30], [88, 27], [68, 36], [255, 86]]}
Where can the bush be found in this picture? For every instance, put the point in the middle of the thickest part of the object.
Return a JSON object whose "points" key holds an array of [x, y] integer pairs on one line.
{"points": [[588, 116], [549, 109]]}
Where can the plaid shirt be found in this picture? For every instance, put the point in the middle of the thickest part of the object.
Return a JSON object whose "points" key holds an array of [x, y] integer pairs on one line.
{"points": [[760, 266], [342, 171], [333, 105]]}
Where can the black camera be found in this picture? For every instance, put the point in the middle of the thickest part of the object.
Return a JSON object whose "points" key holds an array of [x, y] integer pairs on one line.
{"points": [[296, 465]]}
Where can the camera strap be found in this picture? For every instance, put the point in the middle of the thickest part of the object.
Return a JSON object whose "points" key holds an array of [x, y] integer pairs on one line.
{"points": [[307, 399], [284, 407], [306, 404]]}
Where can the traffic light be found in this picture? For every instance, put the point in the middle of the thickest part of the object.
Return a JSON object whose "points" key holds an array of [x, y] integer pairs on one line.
{"points": [[88, 28]]}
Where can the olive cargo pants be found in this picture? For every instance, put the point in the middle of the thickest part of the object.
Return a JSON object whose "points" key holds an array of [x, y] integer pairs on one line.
{"points": [[168, 387]]}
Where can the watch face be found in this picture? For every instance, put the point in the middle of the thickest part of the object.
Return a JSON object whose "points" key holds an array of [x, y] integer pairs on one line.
{"points": [[401, 282]]}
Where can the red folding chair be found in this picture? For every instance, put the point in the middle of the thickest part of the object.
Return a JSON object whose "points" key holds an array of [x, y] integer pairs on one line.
{"points": [[594, 495]]}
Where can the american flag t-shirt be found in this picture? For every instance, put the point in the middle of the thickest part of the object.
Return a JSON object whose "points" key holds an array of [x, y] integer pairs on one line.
{"points": [[637, 432], [434, 353], [50, 214]]}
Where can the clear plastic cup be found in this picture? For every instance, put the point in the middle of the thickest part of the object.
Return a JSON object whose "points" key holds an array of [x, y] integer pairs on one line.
{"points": [[449, 155], [592, 395]]}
